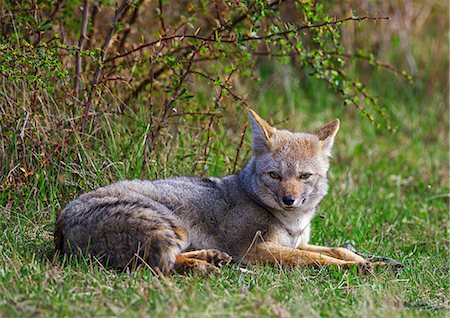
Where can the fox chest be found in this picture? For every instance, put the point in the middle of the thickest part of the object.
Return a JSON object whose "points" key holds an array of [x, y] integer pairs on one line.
{"points": [[293, 236], [293, 240]]}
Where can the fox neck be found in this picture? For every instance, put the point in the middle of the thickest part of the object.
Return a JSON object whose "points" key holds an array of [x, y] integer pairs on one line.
{"points": [[295, 222]]}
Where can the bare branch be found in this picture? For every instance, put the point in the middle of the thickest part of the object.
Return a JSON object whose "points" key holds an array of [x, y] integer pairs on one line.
{"points": [[233, 39], [160, 15], [238, 149], [106, 43], [91, 33], [81, 41], [169, 103], [131, 20], [222, 85]]}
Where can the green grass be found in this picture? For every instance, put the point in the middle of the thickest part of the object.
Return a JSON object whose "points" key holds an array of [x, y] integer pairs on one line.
{"points": [[388, 196]]}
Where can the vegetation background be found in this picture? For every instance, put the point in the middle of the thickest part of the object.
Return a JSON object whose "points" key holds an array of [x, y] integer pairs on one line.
{"points": [[96, 91]]}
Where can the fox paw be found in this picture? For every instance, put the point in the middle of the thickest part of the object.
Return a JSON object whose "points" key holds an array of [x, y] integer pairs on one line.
{"points": [[212, 256], [369, 266], [218, 258], [185, 264], [365, 266], [207, 269]]}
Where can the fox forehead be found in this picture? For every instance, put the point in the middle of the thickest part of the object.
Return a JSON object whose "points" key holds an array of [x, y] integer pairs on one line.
{"points": [[296, 146], [296, 152]]}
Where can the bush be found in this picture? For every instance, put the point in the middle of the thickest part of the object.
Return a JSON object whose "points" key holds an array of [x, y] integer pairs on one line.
{"points": [[161, 68]]}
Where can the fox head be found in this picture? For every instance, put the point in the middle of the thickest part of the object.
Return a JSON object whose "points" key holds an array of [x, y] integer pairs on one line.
{"points": [[289, 170]]}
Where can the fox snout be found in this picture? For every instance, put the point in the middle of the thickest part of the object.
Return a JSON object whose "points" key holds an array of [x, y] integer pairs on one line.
{"points": [[288, 199], [290, 193]]}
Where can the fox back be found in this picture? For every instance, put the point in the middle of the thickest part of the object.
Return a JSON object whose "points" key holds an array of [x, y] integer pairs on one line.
{"points": [[276, 195]]}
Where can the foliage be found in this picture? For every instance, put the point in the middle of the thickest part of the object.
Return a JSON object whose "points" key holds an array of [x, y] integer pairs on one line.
{"points": [[90, 49]]}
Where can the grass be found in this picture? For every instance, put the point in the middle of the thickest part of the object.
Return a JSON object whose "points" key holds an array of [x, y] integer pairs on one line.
{"points": [[388, 196]]}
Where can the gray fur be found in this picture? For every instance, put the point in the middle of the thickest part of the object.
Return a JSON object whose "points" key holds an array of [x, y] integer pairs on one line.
{"points": [[157, 220]]}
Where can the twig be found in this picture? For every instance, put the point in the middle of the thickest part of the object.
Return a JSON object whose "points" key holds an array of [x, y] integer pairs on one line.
{"points": [[108, 38], [238, 150], [55, 11], [208, 129], [206, 146], [258, 234], [228, 25], [155, 74], [222, 85], [233, 39], [91, 33], [156, 131], [78, 59], [374, 62], [219, 16], [58, 6], [130, 22], [160, 15]]}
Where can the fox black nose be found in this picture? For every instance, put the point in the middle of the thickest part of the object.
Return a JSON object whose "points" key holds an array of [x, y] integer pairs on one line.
{"points": [[288, 200]]}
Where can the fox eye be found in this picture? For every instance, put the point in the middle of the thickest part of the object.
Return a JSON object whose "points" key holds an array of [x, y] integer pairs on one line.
{"points": [[274, 175], [305, 175]]}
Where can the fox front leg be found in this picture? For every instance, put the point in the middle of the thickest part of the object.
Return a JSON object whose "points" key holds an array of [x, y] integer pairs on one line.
{"points": [[339, 253], [288, 257], [335, 252]]}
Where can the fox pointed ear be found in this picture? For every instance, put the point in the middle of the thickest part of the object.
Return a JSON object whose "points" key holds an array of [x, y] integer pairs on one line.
{"points": [[262, 132], [326, 134]]}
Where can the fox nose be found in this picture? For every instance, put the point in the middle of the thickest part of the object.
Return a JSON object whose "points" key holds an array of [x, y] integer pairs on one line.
{"points": [[288, 200]]}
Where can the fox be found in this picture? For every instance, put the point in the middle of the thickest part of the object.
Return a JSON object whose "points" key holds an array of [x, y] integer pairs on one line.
{"points": [[260, 215]]}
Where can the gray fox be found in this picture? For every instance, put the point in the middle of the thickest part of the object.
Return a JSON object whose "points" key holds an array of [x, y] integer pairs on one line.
{"points": [[260, 215]]}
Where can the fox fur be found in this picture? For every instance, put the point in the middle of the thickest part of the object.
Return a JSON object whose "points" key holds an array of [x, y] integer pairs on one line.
{"points": [[260, 215]]}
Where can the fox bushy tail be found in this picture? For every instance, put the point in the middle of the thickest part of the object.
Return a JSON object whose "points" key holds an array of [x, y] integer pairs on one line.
{"points": [[119, 232]]}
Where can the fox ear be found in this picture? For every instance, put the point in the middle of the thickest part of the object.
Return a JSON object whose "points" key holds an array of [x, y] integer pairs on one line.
{"points": [[262, 132], [327, 133]]}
